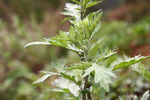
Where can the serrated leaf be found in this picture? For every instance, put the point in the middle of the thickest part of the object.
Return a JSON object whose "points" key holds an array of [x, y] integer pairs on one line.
{"points": [[69, 75], [67, 84], [43, 78], [73, 75], [129, 62], [102, 75]]}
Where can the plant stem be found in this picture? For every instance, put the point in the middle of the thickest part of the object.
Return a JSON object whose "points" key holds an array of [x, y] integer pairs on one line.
{"points": [[83, 58], [82, 10]]}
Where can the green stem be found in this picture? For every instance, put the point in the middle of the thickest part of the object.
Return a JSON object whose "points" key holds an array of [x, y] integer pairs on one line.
{"points": [[86, 86]]}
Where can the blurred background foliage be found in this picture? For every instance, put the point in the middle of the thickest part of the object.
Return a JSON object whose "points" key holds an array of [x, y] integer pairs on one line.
{"points": [[125, 24]]}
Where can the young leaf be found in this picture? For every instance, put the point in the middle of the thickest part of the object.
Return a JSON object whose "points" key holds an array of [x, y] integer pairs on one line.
{"points": [[72, 10], [42, 79], [129, 62]]}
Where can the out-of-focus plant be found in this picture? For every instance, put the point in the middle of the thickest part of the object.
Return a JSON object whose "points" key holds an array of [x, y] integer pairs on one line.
{"points": [[121, 35], [145, 96], [19, 67], [25, 8], [91, 77]]}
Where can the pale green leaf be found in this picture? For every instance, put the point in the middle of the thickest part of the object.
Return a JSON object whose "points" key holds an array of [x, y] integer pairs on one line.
{"points": [[94, 48], [95, 30], [81, 66], [89, 70], [67, 84], [129, 62], [73, 75], [43, 78], [58, 90], [37, 43], [102, 75], [72, 10], [69, 75], [103, 57]]}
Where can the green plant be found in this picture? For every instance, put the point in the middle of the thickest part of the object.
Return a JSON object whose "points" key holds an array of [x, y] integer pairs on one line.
{"points": [[91, 77]]}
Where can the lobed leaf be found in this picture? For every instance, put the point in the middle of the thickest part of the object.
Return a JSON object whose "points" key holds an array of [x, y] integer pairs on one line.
{"points": [[102, 75], [130, 61]]}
